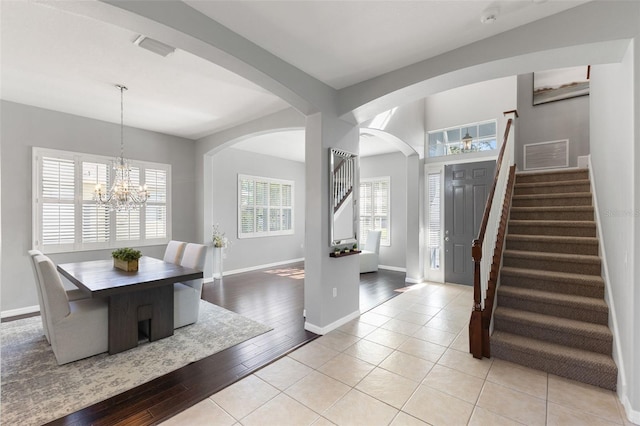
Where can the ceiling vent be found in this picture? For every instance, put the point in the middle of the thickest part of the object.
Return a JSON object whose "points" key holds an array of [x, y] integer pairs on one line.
{"points": [[154, 46]]}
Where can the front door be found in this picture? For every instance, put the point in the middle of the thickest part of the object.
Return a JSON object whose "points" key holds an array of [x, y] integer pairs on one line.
{"points": [[466, 189]]}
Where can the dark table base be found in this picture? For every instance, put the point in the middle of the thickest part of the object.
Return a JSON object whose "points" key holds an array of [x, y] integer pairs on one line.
{"points": [[127, 309]]}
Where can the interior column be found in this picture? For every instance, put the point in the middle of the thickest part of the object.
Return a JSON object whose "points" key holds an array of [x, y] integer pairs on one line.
{"points": [[331, 285]]}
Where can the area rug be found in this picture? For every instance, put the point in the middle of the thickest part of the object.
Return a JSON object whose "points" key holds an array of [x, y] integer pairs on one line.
{"points": [[36, 390]]}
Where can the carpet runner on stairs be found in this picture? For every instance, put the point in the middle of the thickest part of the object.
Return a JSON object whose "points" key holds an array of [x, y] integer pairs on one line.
{"points": [[551, 313]]}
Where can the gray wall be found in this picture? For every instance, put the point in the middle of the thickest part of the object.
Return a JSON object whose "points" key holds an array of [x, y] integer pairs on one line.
{"points": [[24, 127], [471, 104], [251, 252], [395, 166], [615, 171], [566, 119]]}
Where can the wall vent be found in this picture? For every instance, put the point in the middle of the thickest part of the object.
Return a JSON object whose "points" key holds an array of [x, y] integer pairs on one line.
{"points": [[154, 46], [546, 155]]}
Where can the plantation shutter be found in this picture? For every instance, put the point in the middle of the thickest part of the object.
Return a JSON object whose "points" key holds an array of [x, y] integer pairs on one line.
{"points": [[95, 219], [366, 209], [287, 207], [57, 197], [156, 208], [128, 223], [265, 207], [381, 209], [433, 226], [247, 209], [375, 209]]}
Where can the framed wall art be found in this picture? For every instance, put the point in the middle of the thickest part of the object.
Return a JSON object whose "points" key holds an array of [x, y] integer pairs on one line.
{"points": [[562, 83]]}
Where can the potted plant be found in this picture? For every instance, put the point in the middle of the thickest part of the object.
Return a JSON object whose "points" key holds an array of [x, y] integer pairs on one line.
{"points": [[126, 259]]}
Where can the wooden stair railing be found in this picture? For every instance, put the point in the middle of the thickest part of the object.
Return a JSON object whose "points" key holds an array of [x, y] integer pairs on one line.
{"points": [[486, 250], [342, 183]]}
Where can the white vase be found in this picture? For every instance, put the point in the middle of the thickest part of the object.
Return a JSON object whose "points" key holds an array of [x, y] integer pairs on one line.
{"points": [[217, 262]]}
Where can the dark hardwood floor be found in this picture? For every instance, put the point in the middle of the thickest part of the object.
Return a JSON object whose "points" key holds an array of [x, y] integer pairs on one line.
{"points": [[271, 296]]}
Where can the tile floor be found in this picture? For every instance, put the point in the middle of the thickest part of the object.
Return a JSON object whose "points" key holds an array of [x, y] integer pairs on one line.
{"points": [[405, 362]]}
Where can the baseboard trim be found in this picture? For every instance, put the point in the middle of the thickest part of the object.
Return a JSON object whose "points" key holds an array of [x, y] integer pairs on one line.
{"points": [[414, 280], [632, 415], [21, 311], [327, 328], [613, 318], [255, 268], [392, 268]]}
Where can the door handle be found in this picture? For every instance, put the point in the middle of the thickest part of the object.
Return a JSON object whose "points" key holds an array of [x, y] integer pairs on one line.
{"points": [[446, 238]]}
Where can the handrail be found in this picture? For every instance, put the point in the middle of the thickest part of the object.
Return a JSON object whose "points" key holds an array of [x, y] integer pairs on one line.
{"points": [[486, 256]]}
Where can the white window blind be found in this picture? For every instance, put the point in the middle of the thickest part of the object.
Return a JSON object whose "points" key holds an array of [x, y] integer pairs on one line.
{"points": [[375, 208], [58, 201], [156, 208], [433, 226], [67, 218], [265, 206]]}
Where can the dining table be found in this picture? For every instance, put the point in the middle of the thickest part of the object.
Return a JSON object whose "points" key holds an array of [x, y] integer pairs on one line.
{"points": [[142, 295]]}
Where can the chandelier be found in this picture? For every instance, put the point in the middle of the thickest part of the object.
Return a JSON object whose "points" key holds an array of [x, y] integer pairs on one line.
{"points": [[123, 195]]}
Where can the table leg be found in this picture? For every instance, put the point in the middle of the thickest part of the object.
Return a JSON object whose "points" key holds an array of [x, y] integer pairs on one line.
{"points": [[125, 311]]}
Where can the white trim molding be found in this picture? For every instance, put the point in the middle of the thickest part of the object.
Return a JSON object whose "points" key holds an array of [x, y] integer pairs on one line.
{"points": [[330, 327], [20, 311], [255, 268]]}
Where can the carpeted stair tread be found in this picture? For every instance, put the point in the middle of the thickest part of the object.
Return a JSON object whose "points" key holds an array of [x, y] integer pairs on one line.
{"points": [[560, 199], [553, 239], [572, 224], [569, 228], [553, 176], [560, 213], [588, 367], [582, 308], [579, 258], [553, 243], [552, 209], [581, 185], [578, 334], [581, 284], [559, 262], [562, 183]]}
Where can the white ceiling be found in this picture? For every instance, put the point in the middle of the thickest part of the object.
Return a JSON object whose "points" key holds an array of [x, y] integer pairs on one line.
{"points": [[289, 144], [70, 63], [345, 42]]}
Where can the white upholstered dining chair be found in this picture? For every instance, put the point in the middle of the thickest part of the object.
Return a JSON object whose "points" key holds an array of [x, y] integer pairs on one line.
{"points": [[73, 294], [186, 295], [173, 252], [369, 255], [77, 329]]}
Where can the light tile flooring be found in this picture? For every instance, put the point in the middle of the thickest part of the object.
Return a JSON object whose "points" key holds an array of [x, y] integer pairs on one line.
{"points": [[405, 362]]}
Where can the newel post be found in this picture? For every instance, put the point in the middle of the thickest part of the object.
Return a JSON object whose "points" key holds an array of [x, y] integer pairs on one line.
{"points": [[475, 324]]}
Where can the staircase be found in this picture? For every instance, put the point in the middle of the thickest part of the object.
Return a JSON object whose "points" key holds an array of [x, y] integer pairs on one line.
{"points": [[551, 314]]}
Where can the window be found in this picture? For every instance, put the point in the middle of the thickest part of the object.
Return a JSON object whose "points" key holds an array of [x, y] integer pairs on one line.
{"points": [[374, 208], [265, 207], [67, 218], [433, 225], [449, 141]]}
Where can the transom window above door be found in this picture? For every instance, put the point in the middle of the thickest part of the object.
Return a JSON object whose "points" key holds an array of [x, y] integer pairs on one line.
{"points": [[464, 139]]}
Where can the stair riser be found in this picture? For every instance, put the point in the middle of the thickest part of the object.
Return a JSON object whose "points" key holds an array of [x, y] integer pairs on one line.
{"points": [[561, 367], [557, 230], [562, 311], [553, 247], [561, 337], [556, 265], [552, 202], [578, 289], [551, 215], [552, 177], [551, 189]]}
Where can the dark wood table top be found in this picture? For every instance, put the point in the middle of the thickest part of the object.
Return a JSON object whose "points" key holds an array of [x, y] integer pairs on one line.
{"points": [[101, 278]]}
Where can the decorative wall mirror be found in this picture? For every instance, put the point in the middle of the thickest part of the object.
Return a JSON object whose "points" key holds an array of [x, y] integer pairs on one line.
{"points": [[343, 211]]}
